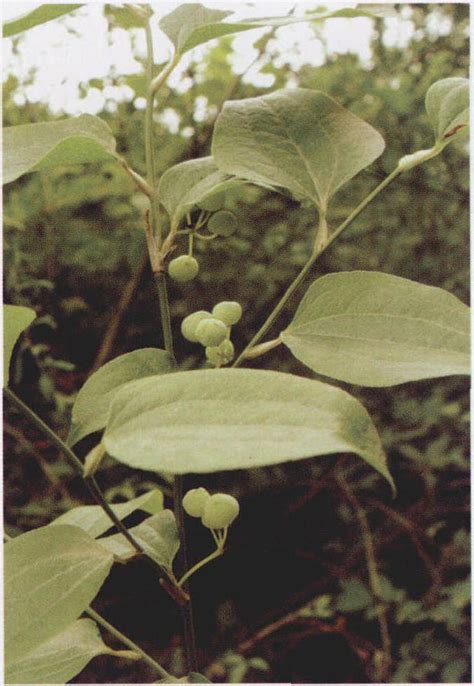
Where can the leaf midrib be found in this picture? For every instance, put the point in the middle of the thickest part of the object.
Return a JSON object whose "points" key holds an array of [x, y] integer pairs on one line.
{"points": [[299, 327]]}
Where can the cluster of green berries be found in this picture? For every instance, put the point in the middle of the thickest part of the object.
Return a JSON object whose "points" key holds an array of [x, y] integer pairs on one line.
{"points": [[212, 330], [216, 511], [186, 267]]}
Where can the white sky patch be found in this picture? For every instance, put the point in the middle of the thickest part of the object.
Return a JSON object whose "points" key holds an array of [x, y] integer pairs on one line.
{"points": [[170, 119], [77, 48]]}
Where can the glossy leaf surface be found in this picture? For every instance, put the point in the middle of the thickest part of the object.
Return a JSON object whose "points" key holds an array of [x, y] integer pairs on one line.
{"points": [[16, 319], [297, 138], [35, 147], [94, 521], [93, 401], [51, 576], [220, 419], [376, 329]]}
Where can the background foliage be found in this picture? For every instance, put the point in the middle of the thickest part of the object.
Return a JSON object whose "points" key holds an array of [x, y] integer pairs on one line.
{"points": [[294, 583]]}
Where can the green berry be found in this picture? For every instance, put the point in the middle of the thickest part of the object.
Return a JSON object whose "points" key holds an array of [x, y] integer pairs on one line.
{"points": [[189, 324], [220, 510], [183, 268], [211, 332], [220, 354], [228, 312], [226, 349], [213, 354], [194, 501], [222, 223], [213, 202]]}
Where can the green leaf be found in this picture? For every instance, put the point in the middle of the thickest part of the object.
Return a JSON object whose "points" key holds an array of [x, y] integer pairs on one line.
{"points": [[92, 404], [16, 319], [35, 147], [454, 670], [196, 678], [128, 17], [296, 138], [94, 521], [192, 24], [158, 536], [51, 575], [447, 105], [60, 658], [219, 419], [189, 183], [40, 15], [354, 597], [376, 329]]}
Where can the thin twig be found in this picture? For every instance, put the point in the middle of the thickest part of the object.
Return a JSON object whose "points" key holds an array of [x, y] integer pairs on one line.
{"points": [[130, 644], [77, 465], [412, 532], [28, 446], [309, 264], [115, 321], [383, 667]]}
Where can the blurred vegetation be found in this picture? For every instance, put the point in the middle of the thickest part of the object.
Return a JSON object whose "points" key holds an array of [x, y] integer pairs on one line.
{"points": [[292, 599]]}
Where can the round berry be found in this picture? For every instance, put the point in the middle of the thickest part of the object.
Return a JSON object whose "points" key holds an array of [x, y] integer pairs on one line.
{"points": [[183, 268], [194, 501], [220, 510], [189, 324], [211, 332], [228, 312], [213, 202], [222, 223], [213, 354], [226, 350], [220, 354]]}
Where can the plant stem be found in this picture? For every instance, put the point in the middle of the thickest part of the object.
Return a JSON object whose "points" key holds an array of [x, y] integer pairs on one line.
{"points": [[75, 463], [317, 252], [149, 142], [162, 290], [153, 86], [215, 553], [118, 634], [186, 610], [130, 644]]}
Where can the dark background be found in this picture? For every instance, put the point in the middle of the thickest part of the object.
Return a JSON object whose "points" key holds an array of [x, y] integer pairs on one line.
{"points": [[291, 598]]}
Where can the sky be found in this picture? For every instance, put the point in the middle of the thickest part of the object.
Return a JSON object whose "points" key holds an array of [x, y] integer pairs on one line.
{"points": [[77, 47]]}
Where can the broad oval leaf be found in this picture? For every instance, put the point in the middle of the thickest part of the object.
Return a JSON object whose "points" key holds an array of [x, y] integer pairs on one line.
{"points": [[51, 576], [94, 521], [91, 409], [447, 106], [34, 147], [220, 419], [188, 183], [296, 138], [16, 319], [158, 536], [59, 659], [376, 329], [192, 24], [40, 15]]}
